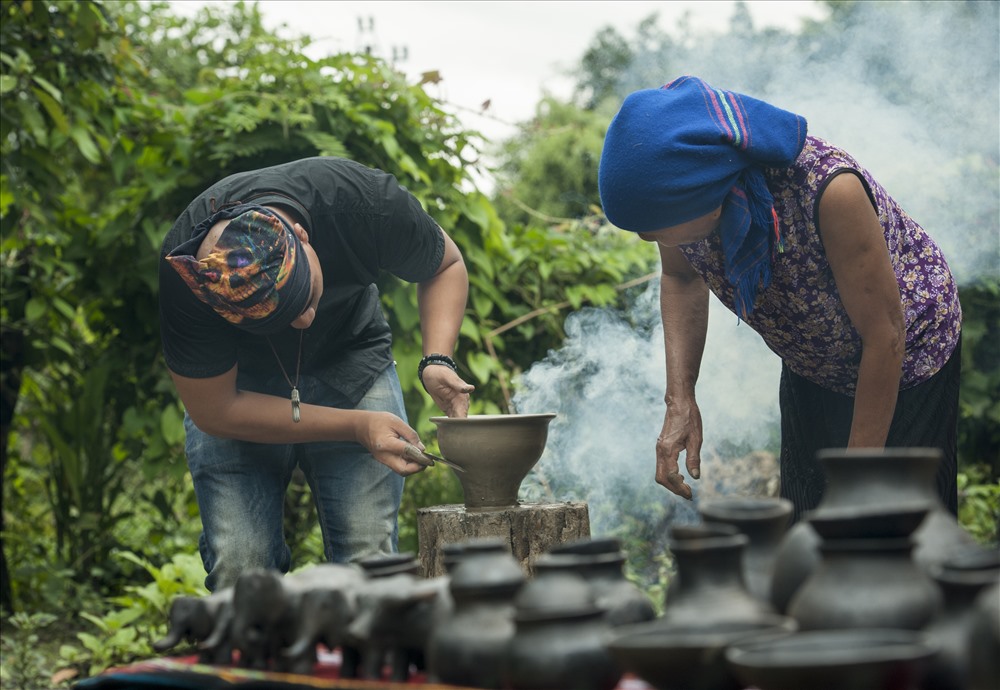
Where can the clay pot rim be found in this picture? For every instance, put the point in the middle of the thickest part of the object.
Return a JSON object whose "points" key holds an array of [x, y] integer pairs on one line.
{"points": [[479, 419], [734, 539], [729, 507], [889, 511], [823, 648], [978, 577], [473, 591], [879, 544], [553, 560], [895, 521], [557, 614], [590, 546], [901, 454], [655, 635]]}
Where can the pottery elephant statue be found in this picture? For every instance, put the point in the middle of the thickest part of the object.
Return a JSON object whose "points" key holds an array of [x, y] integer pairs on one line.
{"points": [[204, 621], [262, 619], [396, 616], [268, 611], [327, 605]]}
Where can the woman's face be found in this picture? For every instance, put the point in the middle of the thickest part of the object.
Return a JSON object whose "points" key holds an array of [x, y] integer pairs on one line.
{"points": [[685, 233]]}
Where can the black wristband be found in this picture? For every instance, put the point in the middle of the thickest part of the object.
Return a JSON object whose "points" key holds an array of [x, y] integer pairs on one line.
{"points": [[434, 358]]}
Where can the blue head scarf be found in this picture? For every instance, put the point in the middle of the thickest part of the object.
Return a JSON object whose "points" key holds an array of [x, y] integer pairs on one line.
{"points": [[679, 152]]}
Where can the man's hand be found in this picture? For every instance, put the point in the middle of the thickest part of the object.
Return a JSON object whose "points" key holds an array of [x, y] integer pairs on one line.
{"points": [[681, 431], [448, 390], [386, 436]]}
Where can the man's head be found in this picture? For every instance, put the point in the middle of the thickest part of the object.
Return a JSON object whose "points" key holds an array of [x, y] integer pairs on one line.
{"points": [[252, 267]]}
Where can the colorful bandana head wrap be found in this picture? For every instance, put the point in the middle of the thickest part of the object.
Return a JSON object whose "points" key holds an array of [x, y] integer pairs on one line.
{"points": [[679, 152], [256, 277]]}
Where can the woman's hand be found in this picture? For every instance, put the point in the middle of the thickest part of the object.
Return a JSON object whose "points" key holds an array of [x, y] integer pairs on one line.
{"points": [[681, 432], [448, 390]]}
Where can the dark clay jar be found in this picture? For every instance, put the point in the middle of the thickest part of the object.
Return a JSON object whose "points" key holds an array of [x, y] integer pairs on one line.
{"points": [[470, 648], [560, 635], [962, 579], [708, 585], [866, 583], [600, 562], [764, 521], [860, 482]]}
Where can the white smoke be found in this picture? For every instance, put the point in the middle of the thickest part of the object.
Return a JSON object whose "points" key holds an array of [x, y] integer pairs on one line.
{"points": [[911, 90]]}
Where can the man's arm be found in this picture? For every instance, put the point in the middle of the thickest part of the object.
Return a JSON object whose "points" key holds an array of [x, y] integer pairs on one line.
{"points": [[219, 408], [442, 299], [684, 310], [858, 255]]}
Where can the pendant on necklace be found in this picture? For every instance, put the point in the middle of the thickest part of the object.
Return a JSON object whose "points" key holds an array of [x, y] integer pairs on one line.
{"points": [[295, 404]]}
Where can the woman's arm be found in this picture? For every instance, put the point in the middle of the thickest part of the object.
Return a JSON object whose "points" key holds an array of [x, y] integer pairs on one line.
{"points": [[684, 311], [858, 255]]}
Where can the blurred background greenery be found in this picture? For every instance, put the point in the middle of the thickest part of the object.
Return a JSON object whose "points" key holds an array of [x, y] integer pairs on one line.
{"points": [[116, 114]]}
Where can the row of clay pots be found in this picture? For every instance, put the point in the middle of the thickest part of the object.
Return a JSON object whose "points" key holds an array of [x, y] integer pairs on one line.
{"points": [[879, 569], [544, 632]]}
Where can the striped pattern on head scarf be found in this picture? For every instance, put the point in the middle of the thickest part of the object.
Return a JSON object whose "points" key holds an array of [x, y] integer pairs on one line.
{"points": [[677, 153]]}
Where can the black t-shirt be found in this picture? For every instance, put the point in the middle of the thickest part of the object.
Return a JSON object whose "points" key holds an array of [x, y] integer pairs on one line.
{"points": [[360, 222]]}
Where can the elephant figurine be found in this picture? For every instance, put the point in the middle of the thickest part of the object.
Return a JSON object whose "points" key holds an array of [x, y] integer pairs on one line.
{"points": [[204, 621], [395, 618], [327, 609], [269, 611]]}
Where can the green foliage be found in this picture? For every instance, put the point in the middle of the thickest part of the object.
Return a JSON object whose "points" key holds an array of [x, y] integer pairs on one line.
{"points": [[979, 503], [24, 661], [549, 172], [435, 486], [979, 401], [137, 617]]}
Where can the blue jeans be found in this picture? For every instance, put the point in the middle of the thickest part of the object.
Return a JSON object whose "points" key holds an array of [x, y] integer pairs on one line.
{"points": [[241, 489]]}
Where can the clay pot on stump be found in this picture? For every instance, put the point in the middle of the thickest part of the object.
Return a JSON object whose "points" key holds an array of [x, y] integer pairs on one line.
{"points": [[496, 453]]}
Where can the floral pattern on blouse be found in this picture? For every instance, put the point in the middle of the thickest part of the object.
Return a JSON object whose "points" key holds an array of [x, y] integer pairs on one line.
{"points": [[800, 315]]}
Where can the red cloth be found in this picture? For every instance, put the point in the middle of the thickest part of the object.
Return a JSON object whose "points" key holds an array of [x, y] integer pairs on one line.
{"points": [[182, 673]]}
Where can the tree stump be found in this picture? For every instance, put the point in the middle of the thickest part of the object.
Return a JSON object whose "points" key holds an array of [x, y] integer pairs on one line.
{"points": [[531, 528]]}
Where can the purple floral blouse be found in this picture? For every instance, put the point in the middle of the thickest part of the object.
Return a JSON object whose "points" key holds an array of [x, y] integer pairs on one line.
{"points": [[800, 315]]}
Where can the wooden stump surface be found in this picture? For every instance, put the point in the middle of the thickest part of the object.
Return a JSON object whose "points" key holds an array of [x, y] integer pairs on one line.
{"points": [[531, 529]]}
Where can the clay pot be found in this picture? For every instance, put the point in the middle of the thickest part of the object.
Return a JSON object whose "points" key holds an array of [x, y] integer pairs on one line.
{"points": [[764, 522], [708, 584], [559, 638], [866, 583], [688, 656], [796, 558], [600, 562], [833, 660], [863, 483], [984, 640], [470, 647], [962, 579], [496, 452], [873, 479], [385, 565]]}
